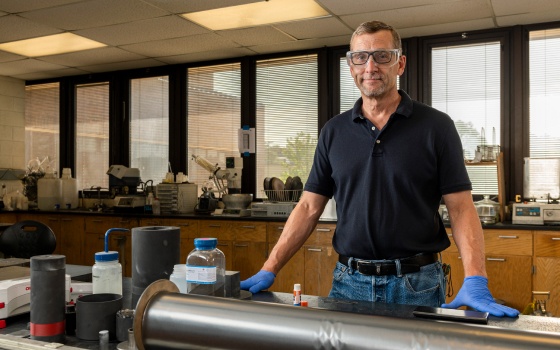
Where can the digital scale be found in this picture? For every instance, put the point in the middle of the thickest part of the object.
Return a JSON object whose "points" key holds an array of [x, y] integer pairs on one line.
{"points": [[275, 210], [535, 213]]}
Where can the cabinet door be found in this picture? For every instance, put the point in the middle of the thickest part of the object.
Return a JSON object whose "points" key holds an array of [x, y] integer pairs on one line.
{"points": [[72, 239], [509, 279], [293, 272], [319, 264], [248, 257], [93, 243], [547, 268], [189, 231], [121, 242], [453, 259], [227, 248]]}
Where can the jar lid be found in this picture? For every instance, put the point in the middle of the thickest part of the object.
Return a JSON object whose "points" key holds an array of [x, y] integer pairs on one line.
{"points": [[205, 243], [107, 256]]}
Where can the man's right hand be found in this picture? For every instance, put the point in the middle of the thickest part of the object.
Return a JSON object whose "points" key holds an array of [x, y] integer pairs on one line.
{"points": [[262, 280]]}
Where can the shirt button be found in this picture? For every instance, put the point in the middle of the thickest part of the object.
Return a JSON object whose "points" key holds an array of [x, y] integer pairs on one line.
{"points": [[373, 128], [378, 141]]}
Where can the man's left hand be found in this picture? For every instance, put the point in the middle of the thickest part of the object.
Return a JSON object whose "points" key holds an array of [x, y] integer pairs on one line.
{"points": [[474, 293]]}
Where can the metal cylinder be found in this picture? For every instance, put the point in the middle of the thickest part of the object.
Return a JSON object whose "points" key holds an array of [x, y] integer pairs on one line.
{"points": [[170, 320], [155, 251], [125, 319], [47, 299], [95, 313]]}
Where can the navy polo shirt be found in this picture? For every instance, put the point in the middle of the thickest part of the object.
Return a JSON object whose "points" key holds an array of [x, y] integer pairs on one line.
{"points": [[388, 183]]}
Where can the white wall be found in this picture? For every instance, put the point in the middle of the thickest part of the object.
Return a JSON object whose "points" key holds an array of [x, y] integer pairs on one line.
{"points": [[12, 123]]}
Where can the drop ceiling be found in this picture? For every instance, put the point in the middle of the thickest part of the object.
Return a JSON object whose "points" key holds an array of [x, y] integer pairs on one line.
{"points": [[149, 33]]}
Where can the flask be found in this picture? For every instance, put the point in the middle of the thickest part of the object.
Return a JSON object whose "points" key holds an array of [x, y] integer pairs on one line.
{"points": [[206, 268], [107, 271], [179, 277]]}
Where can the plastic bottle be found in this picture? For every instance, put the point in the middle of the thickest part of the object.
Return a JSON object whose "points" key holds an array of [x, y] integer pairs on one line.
{"points": [[49, 191], [297, 294], [206, 268], [179, 277], [107, 271], [148, 207], [69, 186], [156, 207]]}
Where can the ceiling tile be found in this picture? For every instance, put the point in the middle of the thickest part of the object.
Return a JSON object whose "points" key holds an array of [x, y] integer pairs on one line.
{"points": [[207, 55], [160, 28], [51, 74], [110, 67], [255, 36], [315, 28], [94, 13], [527, 18], [448, 12], [28, 65], [190, 44], [339, 7], [508, 7], [13, 28], [455, 27], [91, 57], [7, 57], [302, 44], [182, 6], [15, 6]]}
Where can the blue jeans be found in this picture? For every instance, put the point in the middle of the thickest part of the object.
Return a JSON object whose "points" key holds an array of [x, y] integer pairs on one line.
{"points": [[426, 287]]}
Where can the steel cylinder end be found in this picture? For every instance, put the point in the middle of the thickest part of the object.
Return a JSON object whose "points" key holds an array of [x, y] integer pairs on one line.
{"points": [[150, 291]]}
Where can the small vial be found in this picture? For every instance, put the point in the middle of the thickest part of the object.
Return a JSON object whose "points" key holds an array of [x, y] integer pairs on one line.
{"points": [[297, 294], [104, 340]]}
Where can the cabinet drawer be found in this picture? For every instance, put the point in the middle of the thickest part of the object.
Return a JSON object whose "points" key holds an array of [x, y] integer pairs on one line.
{"points": [[322, 235], [249, 231], [218, 229], [189, 228], [547, 244], [508, 242], [274, 230]]}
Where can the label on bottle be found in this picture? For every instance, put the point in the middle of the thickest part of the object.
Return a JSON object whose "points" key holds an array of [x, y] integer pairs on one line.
{"points": [[201, 274]]}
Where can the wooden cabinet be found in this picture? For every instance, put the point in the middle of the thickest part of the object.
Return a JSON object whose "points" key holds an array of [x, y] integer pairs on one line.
{"points": [[312, 265], [508, 265], [547, 268], [7, 217], [121, 242], [189, 231], [294, 271], [243, 243]]}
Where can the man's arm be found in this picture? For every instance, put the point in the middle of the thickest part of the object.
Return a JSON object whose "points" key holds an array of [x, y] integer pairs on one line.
{"points": [[297, 229], [468, 235], [467, 232], [299, 226]]}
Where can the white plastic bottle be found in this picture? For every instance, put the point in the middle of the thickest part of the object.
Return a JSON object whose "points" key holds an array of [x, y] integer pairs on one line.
{"points": [[69, 190], [206, 268], [179, 277], [49, 191], [106, 273]]}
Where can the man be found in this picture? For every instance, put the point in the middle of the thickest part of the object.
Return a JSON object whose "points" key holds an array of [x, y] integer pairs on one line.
{"points": [[388, 162]]}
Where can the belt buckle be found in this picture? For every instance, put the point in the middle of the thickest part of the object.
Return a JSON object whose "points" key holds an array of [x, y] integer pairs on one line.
{"points": [[367, 264]]}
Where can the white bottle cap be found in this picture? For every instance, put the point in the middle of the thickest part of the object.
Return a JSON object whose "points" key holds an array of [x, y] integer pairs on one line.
{"points": [[297, 287]]}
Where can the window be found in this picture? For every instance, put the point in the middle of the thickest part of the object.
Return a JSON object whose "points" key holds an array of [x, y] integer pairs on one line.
{"points": [[214, 116], [466, 85], [42, 123], [544, 93], [149, 127], [287, 113], [92, 135]]}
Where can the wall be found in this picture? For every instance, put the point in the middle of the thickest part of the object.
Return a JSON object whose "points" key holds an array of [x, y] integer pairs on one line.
{"points": [[12, 123]]}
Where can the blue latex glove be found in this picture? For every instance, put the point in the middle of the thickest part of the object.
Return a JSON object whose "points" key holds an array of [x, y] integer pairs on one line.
{"points": [[474, 293], [262, 280]]}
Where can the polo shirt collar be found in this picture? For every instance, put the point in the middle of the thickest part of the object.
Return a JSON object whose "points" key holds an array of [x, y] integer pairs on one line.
{"points": [[404, 108]]}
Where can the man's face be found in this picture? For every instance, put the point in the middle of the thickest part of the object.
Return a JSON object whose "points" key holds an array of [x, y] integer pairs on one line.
{"points": [[374, 79]]}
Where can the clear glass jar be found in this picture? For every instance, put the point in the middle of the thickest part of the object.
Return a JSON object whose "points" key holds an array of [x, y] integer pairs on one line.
{"points": [[206, 268], [107, 273]]}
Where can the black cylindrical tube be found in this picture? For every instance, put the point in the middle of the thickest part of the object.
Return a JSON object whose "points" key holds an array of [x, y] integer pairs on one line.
{"points": [[155, 251], [47, 299]]}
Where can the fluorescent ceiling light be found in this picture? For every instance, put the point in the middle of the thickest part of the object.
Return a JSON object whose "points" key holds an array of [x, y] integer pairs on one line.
{"points": [[50, 45], [255, 14]]}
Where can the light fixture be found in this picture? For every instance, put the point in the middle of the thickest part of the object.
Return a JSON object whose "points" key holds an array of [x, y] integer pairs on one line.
{"points": [[255, 14], [50, 45]]}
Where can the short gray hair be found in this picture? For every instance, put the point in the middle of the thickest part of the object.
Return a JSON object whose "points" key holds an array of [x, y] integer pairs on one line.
{"points": [[375, 26]]}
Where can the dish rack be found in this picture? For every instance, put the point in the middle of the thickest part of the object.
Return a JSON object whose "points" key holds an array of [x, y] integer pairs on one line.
{"points": [[283, 195]]}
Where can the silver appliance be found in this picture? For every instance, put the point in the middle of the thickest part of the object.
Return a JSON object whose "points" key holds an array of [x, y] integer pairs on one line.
{"points": [[178, 198], [272, 209], [528, 213], [551, 214]]}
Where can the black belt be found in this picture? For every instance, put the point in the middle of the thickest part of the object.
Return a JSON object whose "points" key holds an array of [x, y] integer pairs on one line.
{"points": [[389, 267]]}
